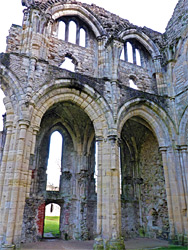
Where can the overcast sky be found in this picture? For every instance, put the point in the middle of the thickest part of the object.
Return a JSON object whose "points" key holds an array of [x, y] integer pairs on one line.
{"points": [[153, 14]]}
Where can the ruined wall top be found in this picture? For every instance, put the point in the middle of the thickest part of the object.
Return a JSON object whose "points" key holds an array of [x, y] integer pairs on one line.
{"points": [[111, 23], [178, 22]]}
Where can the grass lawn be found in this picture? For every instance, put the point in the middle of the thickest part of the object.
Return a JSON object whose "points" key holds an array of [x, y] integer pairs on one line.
{"points": [[172, 248], [51, 225]]}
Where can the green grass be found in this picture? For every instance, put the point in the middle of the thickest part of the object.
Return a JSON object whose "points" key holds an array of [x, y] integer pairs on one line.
{"points": [[51, 225], [172, 248]]}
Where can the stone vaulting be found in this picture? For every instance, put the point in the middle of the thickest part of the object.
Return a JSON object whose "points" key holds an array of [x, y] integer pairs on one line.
{"points": [[122, 114]]}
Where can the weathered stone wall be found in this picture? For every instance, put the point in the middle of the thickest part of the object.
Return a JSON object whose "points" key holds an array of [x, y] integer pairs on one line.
{"points": [[153, 194], [144, 204]]}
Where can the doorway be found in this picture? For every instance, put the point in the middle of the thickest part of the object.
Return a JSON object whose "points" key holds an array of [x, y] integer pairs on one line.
{"points": [[52, 221]]}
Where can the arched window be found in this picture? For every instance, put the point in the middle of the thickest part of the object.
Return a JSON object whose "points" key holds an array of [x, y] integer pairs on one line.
{"points": [[61, 30], [132, 84], [54, 162], [72, 32], [130, 52], [82, 37], [138, 58], [122, 56], [2, 109], [68, 64]]}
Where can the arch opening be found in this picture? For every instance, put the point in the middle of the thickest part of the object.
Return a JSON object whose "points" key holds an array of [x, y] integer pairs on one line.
{"points": [[54, 162], [61, 30], [68, 64], [77, 179], [52, 221], [143, 195]]}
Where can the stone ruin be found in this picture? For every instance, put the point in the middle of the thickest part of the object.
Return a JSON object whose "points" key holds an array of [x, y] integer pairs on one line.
{"points": [[123, 116]]}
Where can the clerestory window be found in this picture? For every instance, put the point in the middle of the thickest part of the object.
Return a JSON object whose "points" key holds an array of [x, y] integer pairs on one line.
{"points": [[131, 54], [72, 31]]}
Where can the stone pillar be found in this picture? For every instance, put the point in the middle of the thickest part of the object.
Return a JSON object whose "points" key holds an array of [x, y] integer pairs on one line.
{"points": [[174, 196], [108, 195], [168, 190], [15, 188], [102, 67], [184, 173], [159, 76]]}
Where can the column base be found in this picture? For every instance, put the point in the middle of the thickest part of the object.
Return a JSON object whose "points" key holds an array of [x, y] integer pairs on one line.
{"points": [[113, 244], [98, 245], [7, 247]]}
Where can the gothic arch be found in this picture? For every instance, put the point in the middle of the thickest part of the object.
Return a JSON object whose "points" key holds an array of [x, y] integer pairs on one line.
{"points": [[76, 10], [88, 100], [142, 38], [9, 82], [183, 128], [152, 114]]}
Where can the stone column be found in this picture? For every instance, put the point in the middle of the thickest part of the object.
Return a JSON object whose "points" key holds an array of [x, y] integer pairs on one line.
{"points": [[159, 76], [163, 150], [16, 189], [174, 197], [4, 175], [108, 195], [102, 68], [184, 168]]}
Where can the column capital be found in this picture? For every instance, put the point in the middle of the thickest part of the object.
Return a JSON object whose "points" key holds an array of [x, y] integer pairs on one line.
{"points": [[99, 138], [9, 124], [23, 122], [182, 147], [35, 129], [163, 149]]}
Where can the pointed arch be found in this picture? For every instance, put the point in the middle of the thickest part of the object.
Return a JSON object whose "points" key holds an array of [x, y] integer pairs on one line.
{"points": [[10, 84], [89, 100], [142, 38], [183, 127], [67, 9], [155, 116]]}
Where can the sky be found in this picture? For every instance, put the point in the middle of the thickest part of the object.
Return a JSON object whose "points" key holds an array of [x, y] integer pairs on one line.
{"points": [[153, 14]]}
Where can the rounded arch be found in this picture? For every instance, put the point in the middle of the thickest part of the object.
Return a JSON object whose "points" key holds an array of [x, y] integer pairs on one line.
{"points": [[157, 119], [142, 38], [60, 10], [85, 97]]}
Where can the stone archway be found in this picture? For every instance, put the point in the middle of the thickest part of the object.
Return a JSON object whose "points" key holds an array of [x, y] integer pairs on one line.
{"points": [[77, 184], [144, 199]]}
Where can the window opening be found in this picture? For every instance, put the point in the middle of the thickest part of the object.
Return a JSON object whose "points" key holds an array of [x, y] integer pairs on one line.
{"points": [[68, 64], [61, 30], [130, 52], [96, 165], [120, 175], [2, 109], [138, 57], [72, 32], [54, 162], [82, 37], [122, 57], [132, 84], [52, 221]]}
